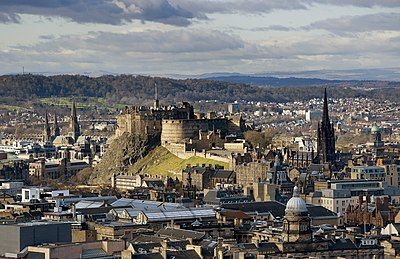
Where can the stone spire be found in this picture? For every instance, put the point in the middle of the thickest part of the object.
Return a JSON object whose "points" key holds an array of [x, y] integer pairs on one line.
{"points": [[56, 127], [326, 136], [74, 129], [325, 114], [46, 130]]}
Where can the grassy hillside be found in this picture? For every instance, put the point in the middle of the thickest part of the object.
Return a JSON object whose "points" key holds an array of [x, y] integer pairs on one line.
{"points": [[161, 162], [122, 153], [132, 155]]}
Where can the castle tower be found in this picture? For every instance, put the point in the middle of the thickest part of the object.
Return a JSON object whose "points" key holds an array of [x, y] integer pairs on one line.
{"points": [[46, 129], [74, 129], [326, 136], [296, 223], [156, 104], [56, 127]]}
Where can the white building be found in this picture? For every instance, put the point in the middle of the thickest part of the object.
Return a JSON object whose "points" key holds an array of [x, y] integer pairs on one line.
{"points": [[34, 193], [313, 115], [340, 194]]}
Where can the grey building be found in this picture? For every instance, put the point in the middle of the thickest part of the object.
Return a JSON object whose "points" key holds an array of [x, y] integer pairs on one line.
{"points": [[16, 237]]}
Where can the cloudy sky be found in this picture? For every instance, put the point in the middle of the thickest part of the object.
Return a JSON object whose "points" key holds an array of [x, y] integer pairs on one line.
{"points": [[197, 36]]}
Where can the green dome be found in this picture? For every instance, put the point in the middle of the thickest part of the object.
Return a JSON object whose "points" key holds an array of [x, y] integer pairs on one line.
{"points": [[375, 129]]}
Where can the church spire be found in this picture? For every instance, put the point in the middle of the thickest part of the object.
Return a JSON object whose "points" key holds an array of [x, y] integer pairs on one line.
{"points": [[325, 115], [73, 110], [56, 127], [46, 130], [326, 136], [74, 129]]}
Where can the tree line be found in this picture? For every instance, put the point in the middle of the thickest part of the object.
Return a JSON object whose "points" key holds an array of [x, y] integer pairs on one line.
{"points": [[135, 89]]}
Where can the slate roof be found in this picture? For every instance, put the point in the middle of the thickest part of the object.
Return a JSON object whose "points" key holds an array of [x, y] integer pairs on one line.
{"points": [[208, 247], [146, 238], [93, 253], [247, 246], [277, 209], [147, 256], [221, 173], [180, 233], [319, 211], [220, 197], [145, 247], [396, 226], [342, 244], [268, 248], [183, 254]]}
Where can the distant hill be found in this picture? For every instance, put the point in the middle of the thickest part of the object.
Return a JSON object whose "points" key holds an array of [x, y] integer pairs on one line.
{"points": [[277, 82], [130, 89], [362, 74]]}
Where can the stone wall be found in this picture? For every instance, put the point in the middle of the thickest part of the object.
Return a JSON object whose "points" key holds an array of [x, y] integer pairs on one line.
{"points": [[137, 124], [253, 172], [175, 131]]}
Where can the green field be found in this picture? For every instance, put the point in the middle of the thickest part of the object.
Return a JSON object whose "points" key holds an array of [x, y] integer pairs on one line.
{"points": [[81, 104], [10, 107], [161, 162]]}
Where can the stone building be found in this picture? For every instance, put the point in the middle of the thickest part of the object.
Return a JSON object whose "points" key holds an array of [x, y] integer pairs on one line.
{"points": [[203, 177], [377, 212], [296, 239], [296, 223], [252, 172], [54, 169]]}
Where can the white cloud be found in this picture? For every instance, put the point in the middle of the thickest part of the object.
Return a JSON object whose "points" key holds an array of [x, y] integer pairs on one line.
{"points": [[189, 51]]}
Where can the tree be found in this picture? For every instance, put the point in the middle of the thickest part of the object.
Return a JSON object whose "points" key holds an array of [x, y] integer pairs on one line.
{"points": [[260, 139]]}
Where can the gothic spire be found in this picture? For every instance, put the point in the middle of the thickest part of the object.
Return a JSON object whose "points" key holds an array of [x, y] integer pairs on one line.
{"points": [[74, 128], [46, 130], [46, 118], [73, 111], [325, 115], [56, 126], [326, 136]]}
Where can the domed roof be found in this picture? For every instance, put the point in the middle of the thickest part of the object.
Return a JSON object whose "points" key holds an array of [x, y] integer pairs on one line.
{"points": [[296, 204], [375, 129]]}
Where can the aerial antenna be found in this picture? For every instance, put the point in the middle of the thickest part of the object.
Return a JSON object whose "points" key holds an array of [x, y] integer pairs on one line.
{"points": [[23, 70]]}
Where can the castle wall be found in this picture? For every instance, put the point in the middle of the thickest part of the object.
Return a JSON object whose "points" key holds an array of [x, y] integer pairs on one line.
{"points": [[144, 121], [137, 124], [174, 131]]}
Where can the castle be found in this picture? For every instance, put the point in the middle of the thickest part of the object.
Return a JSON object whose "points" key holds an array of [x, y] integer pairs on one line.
{"points": [[178, 125]]}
